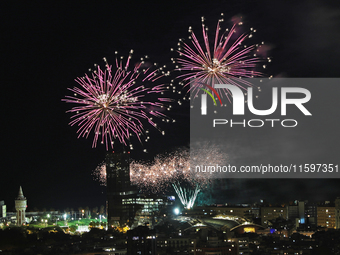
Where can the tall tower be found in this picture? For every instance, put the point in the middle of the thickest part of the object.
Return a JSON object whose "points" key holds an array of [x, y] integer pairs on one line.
{"points": [[301, 206], [119, 189], [20, 207]]}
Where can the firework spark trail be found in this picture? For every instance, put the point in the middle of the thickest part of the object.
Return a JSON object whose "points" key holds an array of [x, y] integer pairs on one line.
{"points": [[186, 196], [113, 102], [227, 62]]}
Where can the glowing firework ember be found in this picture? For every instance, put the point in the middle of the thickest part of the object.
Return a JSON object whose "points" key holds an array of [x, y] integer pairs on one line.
{"points": [[157, 176], [227, 62], [173, 170], [100, 174], [113, 102]]}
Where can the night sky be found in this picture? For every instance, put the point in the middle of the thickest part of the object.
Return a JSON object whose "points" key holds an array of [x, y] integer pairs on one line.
{"points": [[47, 45]]}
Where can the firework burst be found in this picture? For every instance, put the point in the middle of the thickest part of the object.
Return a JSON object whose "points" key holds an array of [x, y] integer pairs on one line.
{"points": [[164, 170], [226, 62], [173, 170], [113, 102], [176, 170]]}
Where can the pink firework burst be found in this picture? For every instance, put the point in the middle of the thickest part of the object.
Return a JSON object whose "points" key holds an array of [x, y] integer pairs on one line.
{"points": [[226, 62], [113, 102]]}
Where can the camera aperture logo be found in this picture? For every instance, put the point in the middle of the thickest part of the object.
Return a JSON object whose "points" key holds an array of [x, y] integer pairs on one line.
{"points": [[238, 104], [204, 97]]}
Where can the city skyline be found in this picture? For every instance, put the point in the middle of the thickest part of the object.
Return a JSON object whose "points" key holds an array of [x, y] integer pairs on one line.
{"points": [[47, 46]]}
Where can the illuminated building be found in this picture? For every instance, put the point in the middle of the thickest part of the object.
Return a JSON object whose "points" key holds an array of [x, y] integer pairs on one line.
{"points": [[272, 213], [302, 212], [2, 209], [228, 210], [311, 213], [141, 240], [216, 250], [241, 211], [326, 216], [125, 206], [337, 213], [214, 245], [242, 244], [148, 213], [20, 207], [301, 206], [119, 189], [293, 212], [169, 243]]}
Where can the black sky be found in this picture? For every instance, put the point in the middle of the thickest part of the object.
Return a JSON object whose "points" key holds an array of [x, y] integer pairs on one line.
{"points": [[46, 45]]}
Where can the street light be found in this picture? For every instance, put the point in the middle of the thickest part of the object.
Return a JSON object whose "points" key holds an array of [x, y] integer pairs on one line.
{"points": [[48, 217]]}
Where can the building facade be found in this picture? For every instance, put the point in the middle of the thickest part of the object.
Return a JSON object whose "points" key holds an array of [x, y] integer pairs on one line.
{"points": [[141, 240], [118, 189], [326, 216], [337, 213], [20, 207], [2, 209], [148, 208], [271, 213]]}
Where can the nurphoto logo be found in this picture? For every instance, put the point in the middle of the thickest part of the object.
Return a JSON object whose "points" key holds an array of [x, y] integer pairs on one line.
{"points": [[239, 99]]}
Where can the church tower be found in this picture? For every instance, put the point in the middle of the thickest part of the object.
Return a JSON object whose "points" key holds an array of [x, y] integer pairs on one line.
{"points": [[20, 207]]}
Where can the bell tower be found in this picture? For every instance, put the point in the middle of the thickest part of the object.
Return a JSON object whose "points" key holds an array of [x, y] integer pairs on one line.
{"points": [[20, 207]]}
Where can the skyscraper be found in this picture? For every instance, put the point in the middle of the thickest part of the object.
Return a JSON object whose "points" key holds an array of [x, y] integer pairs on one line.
{"points": [[119, 188], [337, 213], [301, 206], [20, 207]]}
